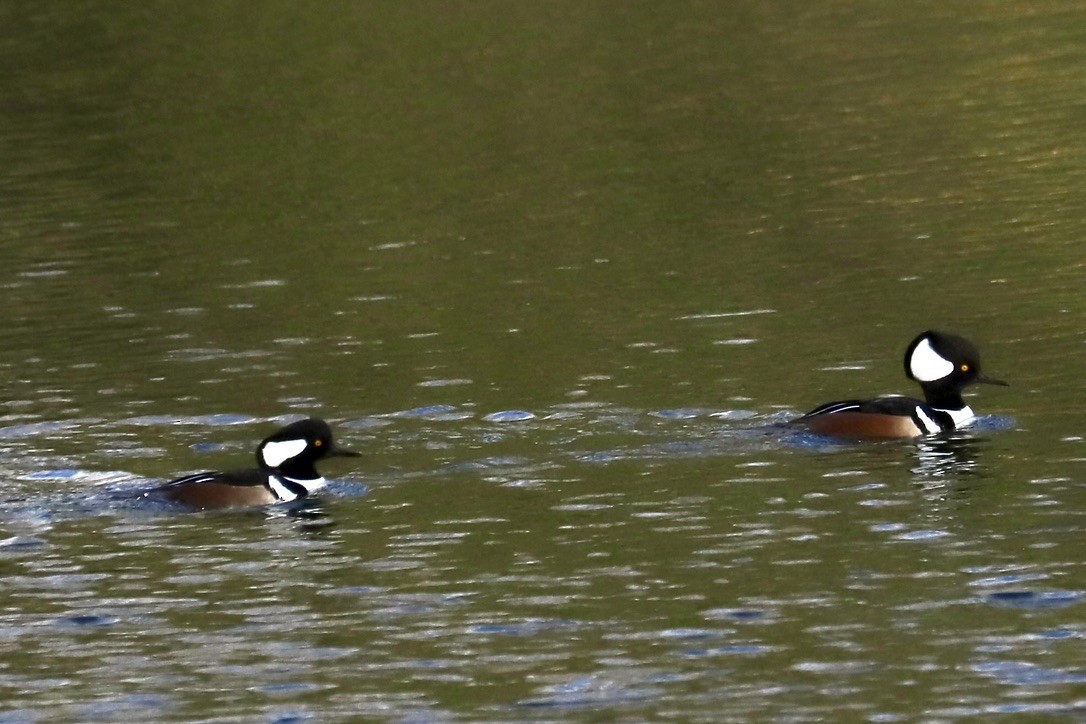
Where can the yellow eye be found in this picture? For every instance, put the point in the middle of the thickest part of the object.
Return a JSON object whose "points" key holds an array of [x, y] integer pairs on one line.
{"points": [[964, 368], [318, 443]]}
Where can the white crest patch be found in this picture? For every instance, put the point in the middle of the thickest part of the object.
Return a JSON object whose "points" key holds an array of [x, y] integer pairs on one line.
{"points": [[927, 365], [926, 422], [275, 454]]}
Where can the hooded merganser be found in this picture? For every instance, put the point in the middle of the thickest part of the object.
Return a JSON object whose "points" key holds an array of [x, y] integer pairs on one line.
{"points": [[943, 364], [286, 472]]}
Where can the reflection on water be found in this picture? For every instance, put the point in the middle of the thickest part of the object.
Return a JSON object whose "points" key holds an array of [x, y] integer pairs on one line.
{"points": [[539, 577], [953, 455], [556, 270]]}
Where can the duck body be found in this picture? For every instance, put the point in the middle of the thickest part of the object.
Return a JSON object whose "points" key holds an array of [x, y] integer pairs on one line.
{"points": [[883, 417], [233, 489], [943, 365], [286, 472]]}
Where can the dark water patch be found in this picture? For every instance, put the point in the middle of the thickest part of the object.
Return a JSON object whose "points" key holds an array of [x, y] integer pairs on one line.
{"points": [[86, 621], [736, 614], [1028, 599], [290, 688], [290, 716], [1023, 673], [1060, 634]]}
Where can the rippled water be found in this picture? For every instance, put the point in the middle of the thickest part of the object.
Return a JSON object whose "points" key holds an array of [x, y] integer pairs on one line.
{"points": [[558, 272], [703, 565]]}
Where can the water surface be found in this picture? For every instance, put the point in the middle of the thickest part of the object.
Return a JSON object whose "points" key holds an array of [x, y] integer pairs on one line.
{"points": [[556, 271]]}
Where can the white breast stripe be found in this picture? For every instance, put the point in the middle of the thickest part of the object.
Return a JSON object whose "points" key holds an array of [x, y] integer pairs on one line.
{"points": [[926, 422], [281, 491], [275, 454], [927, 365], [310, 485], [961, 417]]}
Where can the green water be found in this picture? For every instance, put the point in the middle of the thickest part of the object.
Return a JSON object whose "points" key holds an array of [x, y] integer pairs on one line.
{"points": [[552, 268]]}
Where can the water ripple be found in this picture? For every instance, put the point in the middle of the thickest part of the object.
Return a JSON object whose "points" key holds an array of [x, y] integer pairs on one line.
{"points": [[1035, 599]]}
